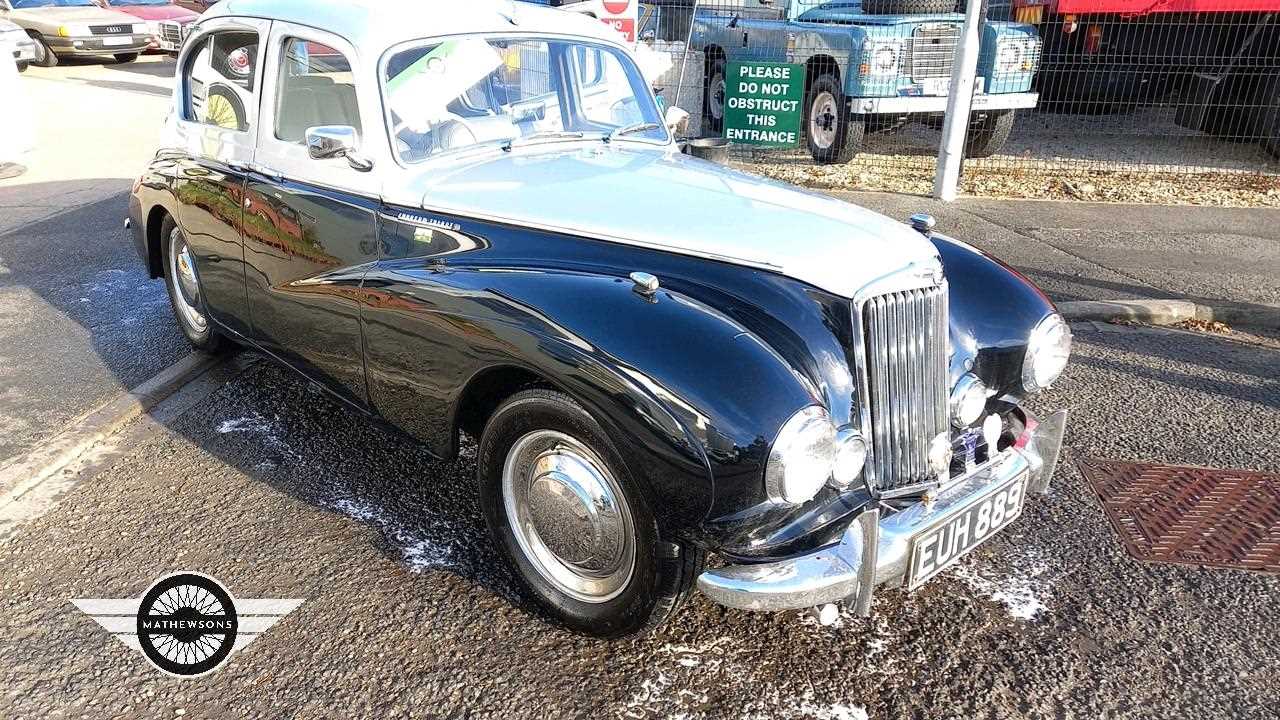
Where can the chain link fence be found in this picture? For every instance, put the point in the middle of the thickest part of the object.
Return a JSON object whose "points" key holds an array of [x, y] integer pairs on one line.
{"points": [[1139, 100]]}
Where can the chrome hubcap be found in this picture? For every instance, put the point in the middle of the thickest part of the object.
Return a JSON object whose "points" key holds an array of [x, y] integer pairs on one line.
{"points": [[569, 516], [823, 120], [183, 271]]}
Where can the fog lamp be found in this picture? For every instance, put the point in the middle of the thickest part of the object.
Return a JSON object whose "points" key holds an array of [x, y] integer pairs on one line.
{"points": [[968, 401], [851, 455]]}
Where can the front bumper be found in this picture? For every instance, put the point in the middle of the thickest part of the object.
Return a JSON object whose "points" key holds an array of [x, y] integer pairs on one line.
{"points": [[908, 104], [875, 549], [99, 45]]}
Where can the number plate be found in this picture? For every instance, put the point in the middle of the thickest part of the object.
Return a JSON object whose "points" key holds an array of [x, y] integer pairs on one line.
{"points": [[937, 548], [935, 86], [117, 41]]}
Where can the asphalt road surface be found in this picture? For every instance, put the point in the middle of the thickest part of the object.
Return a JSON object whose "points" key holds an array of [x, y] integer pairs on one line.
{"points": [[265, 484]]}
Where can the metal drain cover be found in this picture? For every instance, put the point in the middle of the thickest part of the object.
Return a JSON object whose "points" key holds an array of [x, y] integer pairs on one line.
{"points": [[1191, 515]]}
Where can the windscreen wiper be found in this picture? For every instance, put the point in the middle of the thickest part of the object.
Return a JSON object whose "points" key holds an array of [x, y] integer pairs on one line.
{"points": [[629, 129], [544, 135]]}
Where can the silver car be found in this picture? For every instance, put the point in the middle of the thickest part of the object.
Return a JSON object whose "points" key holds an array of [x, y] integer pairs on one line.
{"points": [[76, 28]]}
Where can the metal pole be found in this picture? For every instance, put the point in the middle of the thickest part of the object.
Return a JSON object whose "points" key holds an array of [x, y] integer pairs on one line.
{"points": [[688, 40], [959, 102]]}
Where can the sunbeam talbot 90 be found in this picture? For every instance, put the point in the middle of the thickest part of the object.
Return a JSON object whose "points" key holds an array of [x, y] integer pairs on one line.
{"points": [[471, 218]]}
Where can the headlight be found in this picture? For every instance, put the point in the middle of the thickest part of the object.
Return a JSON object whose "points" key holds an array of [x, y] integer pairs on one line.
{"points": [[968, 401], [141, 28], [1047, 353], [881, 58], [851, 455], [801, 457], [1009, 56], [1017, 54]]}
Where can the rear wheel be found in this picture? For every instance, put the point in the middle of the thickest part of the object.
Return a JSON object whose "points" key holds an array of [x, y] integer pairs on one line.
{"points": [[126, 57], [44, 54], [834, 136], [571, 521], [185, 295], [988, 135], [713, 98]]}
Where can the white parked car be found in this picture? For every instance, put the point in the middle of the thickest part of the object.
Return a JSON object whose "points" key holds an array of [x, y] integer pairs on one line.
{"points": [[15, 40]]}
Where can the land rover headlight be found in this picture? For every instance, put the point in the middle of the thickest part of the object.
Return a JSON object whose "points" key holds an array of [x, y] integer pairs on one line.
{"points": [[1047, 351], [801, 458], [1009, 56], [881, 57]]}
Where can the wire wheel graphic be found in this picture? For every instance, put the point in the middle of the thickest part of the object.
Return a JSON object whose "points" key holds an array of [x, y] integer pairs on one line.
{"points": [[187, 624]]}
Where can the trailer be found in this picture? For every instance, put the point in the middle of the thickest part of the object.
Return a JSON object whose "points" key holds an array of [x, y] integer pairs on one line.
{"points": [[1217, 60]]}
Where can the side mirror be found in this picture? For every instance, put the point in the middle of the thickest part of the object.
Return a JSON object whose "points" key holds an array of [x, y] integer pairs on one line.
{"points": [[677, 120], [327, 142]]}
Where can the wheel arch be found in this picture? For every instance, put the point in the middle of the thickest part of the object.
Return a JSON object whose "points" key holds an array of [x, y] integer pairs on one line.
{"points": [[817, 66], [154, 242]]}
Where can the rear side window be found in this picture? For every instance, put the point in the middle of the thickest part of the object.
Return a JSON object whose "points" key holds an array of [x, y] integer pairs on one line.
{"points": [[221, 81], [315, 89]]}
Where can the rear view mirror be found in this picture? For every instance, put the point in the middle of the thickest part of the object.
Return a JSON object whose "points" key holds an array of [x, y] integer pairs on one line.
{"points": [[327, 142]]}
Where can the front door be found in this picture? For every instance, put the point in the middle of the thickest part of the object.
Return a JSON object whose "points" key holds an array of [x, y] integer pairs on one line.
{"points": [[310, 225], [217, 127]]}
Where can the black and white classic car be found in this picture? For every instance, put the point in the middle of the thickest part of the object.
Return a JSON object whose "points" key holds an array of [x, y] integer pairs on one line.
{"points": [[472, 218]]}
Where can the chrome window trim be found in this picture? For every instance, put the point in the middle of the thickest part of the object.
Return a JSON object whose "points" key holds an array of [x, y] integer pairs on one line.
{"points": [[389, 127], [283, 160]]}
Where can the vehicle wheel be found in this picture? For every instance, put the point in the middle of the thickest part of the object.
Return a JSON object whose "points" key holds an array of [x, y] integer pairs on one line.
{"points": [[908, 7], [44, 55], [22, 66], [713, 96], [571, 521], [1268, 127], [183, 282], [987, 136], [126, 57], [834, 136]]}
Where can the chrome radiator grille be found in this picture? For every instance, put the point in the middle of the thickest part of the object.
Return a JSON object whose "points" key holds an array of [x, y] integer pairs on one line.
{"points": [[932, 49], [171, 32], [906, 352]]}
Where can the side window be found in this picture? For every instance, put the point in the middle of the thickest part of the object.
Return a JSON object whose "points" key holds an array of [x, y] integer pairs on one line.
{"points": [[316, 88], [221, 81]]}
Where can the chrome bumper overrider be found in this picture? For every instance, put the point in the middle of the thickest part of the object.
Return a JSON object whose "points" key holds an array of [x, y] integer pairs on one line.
{"points": [[875, 548]]}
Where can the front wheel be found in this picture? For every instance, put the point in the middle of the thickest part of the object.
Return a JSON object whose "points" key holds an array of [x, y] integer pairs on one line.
{"points": [[44, 54], [126, 57], [571, 521], [185, 293], [989, 134], [713, 97], [834, 135], [22, 66]]}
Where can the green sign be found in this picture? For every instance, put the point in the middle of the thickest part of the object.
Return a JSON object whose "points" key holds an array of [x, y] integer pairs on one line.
{"points": [[763, 103]]}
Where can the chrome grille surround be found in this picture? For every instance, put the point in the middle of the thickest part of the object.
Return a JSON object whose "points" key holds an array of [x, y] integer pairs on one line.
{"points": [[933, 49], [903, 352]]}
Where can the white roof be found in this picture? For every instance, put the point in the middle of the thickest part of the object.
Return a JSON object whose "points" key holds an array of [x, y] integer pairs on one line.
{"points": [[375, 25]]}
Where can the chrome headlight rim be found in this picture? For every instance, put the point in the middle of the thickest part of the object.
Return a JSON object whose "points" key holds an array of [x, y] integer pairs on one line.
{"points": [[801, 457], [873, 52], [1048, 350]]}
